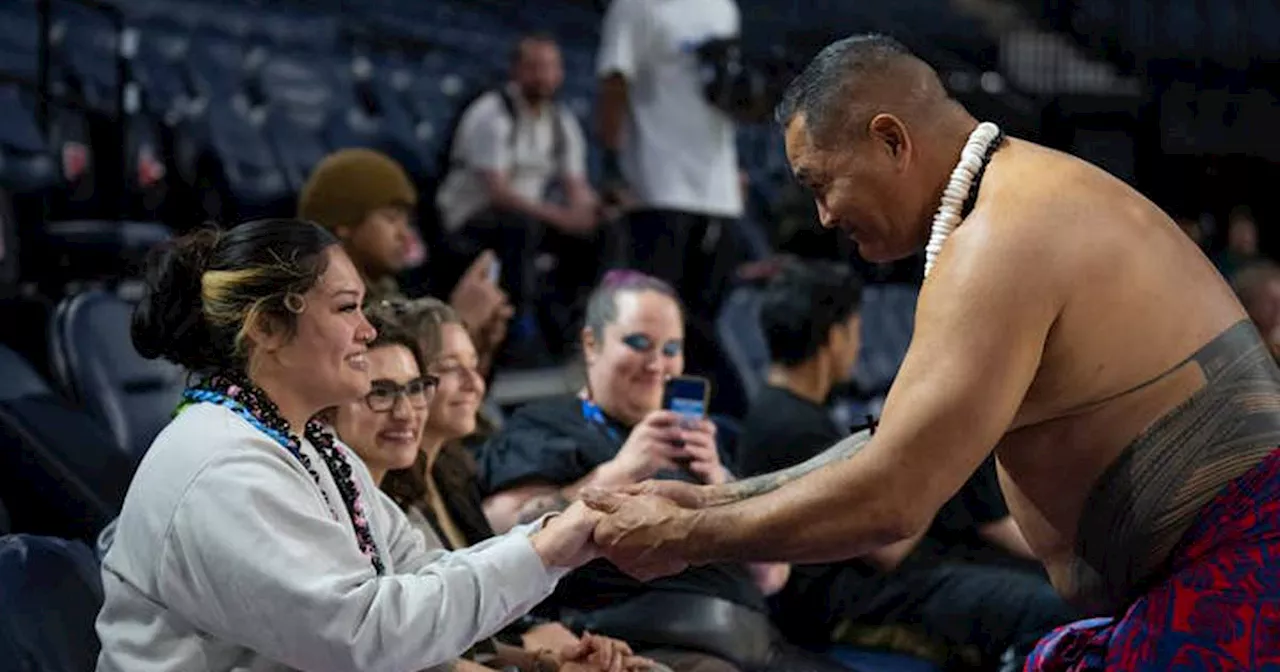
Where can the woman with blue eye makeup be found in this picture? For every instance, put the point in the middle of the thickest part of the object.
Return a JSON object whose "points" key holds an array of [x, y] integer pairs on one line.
{"points": [[614, 432]]}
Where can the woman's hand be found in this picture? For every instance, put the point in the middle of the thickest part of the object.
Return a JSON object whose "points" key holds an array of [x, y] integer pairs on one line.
{"points": [[653, 446], [595, 653], [701, 454], [549, 637], [565, 539]]}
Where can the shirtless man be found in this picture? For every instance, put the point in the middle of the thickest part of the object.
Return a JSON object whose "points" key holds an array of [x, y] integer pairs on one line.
{"points": [[1069, 326]]}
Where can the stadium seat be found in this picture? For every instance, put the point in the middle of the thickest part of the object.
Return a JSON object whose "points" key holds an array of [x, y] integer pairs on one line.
{"points": [[865, 660], [246, 166], [18, 41], [888, 318], [739, 334], [8, 247], [94, 360], [61, 473], [92, 250], [51, 590], [26, 164]]}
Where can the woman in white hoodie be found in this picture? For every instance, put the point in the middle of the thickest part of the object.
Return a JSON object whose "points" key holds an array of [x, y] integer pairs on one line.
{"points": [[250, 538]]}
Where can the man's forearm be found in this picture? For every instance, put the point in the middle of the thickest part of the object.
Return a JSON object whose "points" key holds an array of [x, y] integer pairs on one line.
{"points": [[612, 112], [757, 485], [826, 509]]}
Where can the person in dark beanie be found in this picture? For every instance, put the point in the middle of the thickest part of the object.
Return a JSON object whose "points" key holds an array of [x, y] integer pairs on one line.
{"points": [[366, 199]]}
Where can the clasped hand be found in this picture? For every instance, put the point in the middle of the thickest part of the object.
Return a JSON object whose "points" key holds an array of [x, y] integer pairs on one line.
{"points": [[641, 528]]}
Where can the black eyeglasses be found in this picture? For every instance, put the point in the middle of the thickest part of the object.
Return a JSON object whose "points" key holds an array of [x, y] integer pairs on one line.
{"points": [[418, 392]]}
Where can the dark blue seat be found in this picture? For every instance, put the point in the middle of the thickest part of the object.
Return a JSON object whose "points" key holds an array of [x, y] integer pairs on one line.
{"points": [[738, 331], [246, 164], [18, 40], [61, 472], [89, 50], [217, 68], [290, 31], [865, 660], [888, 318], [158, 69], [51, 590], [95, 362], [26, 164], [297, 148], [96, 250]]}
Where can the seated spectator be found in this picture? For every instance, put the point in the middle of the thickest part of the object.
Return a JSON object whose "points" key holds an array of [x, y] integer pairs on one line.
{"points": [[366, 200], [250, 538], [511, 146], [385, 428], [1258, 286], [809, 315], [1242, 243], [615, 433]]}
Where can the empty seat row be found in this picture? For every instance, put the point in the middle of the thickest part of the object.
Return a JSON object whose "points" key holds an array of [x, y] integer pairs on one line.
{"points": [[67, 453]]}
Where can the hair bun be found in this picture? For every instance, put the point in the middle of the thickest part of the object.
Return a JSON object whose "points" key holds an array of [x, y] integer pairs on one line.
{"points": [[169, 321]]}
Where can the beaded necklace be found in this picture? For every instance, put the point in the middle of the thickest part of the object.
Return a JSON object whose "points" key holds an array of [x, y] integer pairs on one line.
{"points": [[246, 400], [958, 197]]}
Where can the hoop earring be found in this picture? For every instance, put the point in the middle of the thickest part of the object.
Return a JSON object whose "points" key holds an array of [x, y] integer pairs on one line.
{"points": [[295, 303]]}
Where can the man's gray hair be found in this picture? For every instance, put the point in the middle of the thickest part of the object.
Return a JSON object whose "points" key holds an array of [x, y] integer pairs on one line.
{"points": [[822, 91]]}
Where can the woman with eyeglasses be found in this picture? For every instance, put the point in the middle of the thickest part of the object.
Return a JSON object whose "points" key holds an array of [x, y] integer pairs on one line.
{"points": [[614, 432], [251, 538], [386, 429]]}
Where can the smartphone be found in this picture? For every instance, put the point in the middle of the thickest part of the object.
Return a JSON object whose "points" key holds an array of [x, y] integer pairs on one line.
{"points": [[687, 395], [495, 271]]}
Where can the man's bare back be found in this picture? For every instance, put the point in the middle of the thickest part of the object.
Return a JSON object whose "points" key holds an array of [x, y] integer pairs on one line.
{"points": [[1142, 301]]}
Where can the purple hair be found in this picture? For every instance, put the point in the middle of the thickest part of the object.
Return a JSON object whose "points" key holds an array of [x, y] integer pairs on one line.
{"points": [[602, 307]]}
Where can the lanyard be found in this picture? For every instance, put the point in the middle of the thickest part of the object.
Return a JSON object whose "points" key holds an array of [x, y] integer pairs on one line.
{"points": [[593, 415]]}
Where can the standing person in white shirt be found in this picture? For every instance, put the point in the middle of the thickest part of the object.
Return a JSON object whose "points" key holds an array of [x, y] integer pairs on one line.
{"points": [[672, 149], [250, 539], [511, 146]]}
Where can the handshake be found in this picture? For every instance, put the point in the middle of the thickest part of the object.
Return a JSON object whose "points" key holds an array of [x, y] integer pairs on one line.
{"points": [[643, 528]]}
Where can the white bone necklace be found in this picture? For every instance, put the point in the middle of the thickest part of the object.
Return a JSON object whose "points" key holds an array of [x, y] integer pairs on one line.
{"points": [[973, 159]]}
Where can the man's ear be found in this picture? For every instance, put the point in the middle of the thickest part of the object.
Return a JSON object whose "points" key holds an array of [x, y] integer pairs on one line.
{"points": [[891, 133], [588, 345]]}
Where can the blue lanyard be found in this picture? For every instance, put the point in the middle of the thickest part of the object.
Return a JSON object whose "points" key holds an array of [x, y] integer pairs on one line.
{"points": [[593, 415], [193, 396]]}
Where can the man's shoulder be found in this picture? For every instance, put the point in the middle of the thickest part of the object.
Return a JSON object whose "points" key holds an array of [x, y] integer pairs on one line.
{"points": [[485, 107]]}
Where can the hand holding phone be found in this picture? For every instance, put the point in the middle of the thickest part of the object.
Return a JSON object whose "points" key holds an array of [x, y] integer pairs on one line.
{"points": [[689, 396]]}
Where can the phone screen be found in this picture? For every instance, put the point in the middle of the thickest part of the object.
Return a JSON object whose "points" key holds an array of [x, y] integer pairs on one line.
{"points": [[686, 395], [495, 271]]}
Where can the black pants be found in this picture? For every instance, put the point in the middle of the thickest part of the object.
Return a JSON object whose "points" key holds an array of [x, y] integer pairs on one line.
{"points": [[515, 240], [691, 251], [995, 609]]}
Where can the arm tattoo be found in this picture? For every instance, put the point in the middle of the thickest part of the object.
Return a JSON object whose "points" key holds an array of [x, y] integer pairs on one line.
{"points": [[758, 485], [541, 505]]}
